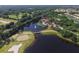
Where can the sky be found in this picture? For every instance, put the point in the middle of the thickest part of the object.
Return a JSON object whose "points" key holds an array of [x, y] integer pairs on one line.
{"points": [[39, 2]]}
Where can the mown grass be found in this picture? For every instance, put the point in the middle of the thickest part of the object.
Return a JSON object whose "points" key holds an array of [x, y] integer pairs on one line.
{"points": [[16, 16], [27, 42], [49, 32], [24, 43], [1, 23], [8, 20], [13, 16]]}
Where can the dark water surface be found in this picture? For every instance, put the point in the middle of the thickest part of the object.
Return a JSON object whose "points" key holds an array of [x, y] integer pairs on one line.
{"points": [[48, 43], [51, 44]]}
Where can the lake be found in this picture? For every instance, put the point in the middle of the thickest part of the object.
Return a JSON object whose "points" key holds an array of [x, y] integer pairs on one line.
{"points": [[49, 44]]}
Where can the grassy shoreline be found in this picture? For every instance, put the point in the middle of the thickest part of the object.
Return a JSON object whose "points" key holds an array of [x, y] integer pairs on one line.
{"points": [[31, 39], [53, 32]]}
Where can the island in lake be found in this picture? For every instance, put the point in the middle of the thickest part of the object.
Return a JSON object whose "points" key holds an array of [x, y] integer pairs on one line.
{"points": [[39, 28]]}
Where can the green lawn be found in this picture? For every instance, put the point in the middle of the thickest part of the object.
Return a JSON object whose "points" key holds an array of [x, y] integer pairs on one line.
{"points": [[13, 16], [8, 20], [25, 43], [49, 32]]}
